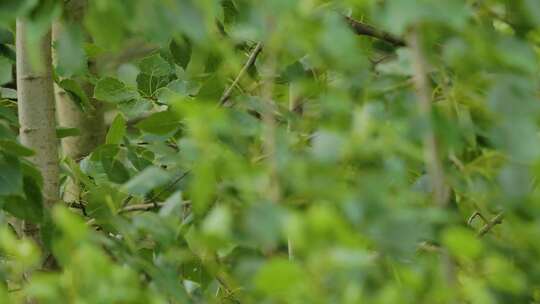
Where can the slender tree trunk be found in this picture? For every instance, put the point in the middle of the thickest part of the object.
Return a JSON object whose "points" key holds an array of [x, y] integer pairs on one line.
{"points": [[295, 106], [36, 114], [432, 157], [434, 164], [90, 123]]}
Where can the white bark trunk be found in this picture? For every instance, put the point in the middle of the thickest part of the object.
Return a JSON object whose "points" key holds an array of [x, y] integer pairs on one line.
{"points": [[36, 117], [36, 110], [90, 123]]}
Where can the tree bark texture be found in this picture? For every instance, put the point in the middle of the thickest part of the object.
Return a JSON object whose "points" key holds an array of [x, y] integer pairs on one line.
{"points": [[90, 122], [36, 113]]}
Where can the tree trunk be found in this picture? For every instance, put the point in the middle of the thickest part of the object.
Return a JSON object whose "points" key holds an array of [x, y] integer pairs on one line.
{"points": [[36, 114], [90, 123]]}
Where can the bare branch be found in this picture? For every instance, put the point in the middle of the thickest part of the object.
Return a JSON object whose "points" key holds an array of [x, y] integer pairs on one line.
{"points": [[489, 225], [363, 29], [140, 207], [251, 60]]}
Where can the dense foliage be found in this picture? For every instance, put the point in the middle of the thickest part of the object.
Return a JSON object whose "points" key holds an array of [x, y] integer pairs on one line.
{"points": [[314, 180]]}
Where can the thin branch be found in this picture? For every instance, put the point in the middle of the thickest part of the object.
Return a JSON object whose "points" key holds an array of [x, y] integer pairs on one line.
{"points": [[474, 216], [148, 205], [498, 219], [434, 166], [428, 247], [360, 28], [363, 29], [151, 203], [154, 198], [251, 60], [433, 161], [141, 207]]}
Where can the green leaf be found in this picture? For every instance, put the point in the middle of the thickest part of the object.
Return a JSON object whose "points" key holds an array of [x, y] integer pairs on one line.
{"points": [[7, 52], [532, 10], [14, 148], [218, 222], [113, 90], [462, 242], [140, 162], [8, 93], [76, 93], [148, 84], [9, 114], [117, 130], [155, 66], [403, 13], [10, 9], [181, 51], [6, 36], [5, 70], [172, 206], [280, 278], [109, 156], [135, 109], [11, 178], [211, 89], [230, 11], [147, 180], [105, 22], [160, 123], [70, 51], [62, 132], [29, 207], [175, 90]]}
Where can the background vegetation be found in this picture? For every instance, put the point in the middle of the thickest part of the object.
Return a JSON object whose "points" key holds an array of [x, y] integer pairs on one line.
{"points": [[270, 151]]}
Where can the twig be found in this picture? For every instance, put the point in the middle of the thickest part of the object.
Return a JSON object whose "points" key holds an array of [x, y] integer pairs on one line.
{"points": [[149, 204], [251, 60], [429, 247], [358, 27], [363, 29], [489, 225], [15, 290], [141, 207], [226, 288], [169, 187], [474, 216]]}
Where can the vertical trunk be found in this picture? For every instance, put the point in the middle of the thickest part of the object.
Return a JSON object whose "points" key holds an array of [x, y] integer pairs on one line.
{"points": [[36, 113], [431, 148], [295, 102], [434, 165], [90, 123], [295, 106]]}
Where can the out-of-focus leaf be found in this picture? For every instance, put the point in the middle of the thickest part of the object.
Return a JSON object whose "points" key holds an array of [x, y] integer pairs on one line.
{"points": [[160, 123], [76, 93], [462, 243], [8, 93], [280, 278], [104, 22], [5, 70], [181, 51], [28, 207], [11, 178], [70, 52], [109, 157], [146, 180]]}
